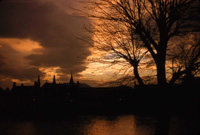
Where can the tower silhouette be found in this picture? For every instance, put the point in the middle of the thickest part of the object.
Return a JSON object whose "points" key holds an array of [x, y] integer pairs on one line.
{"points": [[54, 79], [38, 82], [71, 82]]}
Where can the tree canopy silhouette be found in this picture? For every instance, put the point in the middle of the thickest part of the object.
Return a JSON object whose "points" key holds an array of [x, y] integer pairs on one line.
{"points": [[130, 29]]}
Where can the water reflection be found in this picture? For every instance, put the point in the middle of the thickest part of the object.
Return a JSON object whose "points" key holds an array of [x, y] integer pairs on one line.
{"points": [[81, 125], [121, 125], [19, 128]]}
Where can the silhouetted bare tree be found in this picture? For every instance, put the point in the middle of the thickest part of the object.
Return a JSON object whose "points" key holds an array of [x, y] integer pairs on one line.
{"points": [[119, 44], [154, 22], [185, 58]]}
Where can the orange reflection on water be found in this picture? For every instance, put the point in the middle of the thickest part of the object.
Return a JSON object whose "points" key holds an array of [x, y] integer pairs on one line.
{"points": [[81, 125], [23, 128], [124, 125]]}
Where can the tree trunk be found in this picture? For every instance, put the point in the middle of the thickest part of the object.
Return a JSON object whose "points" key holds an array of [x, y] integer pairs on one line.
{"points": [[161, 73], [161, 51], [136, 73]]}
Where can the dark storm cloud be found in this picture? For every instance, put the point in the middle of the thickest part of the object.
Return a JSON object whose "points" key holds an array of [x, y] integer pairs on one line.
{"points": [[11, 65], [49, 25]]}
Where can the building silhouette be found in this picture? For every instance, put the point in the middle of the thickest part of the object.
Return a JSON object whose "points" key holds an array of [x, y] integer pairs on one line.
{"points": [[53, 95], [51, 92], [70, 97]]}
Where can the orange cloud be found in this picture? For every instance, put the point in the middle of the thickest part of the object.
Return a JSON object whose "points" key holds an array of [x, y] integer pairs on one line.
{"points": [[22, 45]]}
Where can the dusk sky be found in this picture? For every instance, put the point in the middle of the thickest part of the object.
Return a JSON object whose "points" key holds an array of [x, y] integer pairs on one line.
{"points": [[39, 37], [42, 37]]}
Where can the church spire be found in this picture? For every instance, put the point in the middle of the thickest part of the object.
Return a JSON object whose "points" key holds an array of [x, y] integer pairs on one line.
{"points": [[38, 81], [54, 79], [71, 82]]}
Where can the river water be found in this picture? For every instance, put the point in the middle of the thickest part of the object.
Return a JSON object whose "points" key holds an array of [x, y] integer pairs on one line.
{"points": [[87, 125]]}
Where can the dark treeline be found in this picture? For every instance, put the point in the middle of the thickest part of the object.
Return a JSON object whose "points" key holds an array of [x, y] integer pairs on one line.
{"points": [[58, 100]]}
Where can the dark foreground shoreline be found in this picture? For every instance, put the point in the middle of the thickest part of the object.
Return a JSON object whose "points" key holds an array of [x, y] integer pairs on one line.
{"points": [[150, 101]]}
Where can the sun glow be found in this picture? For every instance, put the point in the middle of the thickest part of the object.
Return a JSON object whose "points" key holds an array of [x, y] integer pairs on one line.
{"points": [[101, 69], [50, 72]]}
